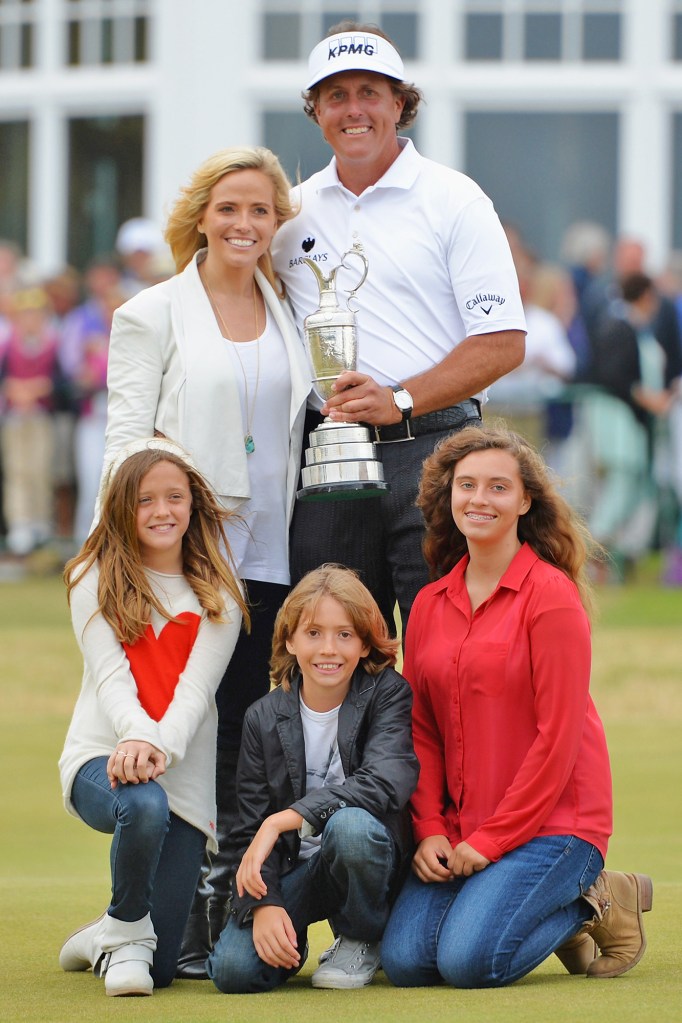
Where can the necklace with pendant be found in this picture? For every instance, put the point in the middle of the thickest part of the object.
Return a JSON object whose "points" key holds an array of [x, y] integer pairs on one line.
{"points": [[249, 443]]}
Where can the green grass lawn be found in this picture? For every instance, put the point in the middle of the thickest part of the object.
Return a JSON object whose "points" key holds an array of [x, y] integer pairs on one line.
{"points": [[54, 870]]}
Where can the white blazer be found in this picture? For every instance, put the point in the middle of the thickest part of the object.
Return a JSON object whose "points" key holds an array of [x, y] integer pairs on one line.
{"points": [[168, 372]]}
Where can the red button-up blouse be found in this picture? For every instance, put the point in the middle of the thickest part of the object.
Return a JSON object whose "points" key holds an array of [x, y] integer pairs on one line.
{"points": [[509, 741]]}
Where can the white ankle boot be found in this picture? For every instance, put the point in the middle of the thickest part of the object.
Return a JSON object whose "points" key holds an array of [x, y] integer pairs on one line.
{"points": [[118, 950]]}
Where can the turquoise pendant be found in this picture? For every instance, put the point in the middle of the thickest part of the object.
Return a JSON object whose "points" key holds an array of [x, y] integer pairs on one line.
{"points": [[249, 444]]}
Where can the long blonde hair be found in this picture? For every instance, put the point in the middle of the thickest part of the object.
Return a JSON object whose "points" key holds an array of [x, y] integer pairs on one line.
{"points": [[183, 235], [125, 595], [344, 586], [550, 526]]}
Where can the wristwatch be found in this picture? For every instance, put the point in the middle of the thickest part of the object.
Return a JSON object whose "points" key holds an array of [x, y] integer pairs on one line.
{"points": [[403, 400]]}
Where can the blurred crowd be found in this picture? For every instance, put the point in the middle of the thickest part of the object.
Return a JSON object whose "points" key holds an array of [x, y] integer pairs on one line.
{"points": [[54, 339], [599, 390]]}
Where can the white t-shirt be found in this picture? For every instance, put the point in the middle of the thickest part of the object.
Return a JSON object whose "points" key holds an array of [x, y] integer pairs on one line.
{"points": [[440, 267], [322, 759], [259, 544]]}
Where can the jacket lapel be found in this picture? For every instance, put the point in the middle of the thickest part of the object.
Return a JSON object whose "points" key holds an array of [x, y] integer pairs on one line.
{"points": [[290, 731]]}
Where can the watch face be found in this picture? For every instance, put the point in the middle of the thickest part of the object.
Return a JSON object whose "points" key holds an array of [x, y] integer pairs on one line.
{"points": [[403, 400]]}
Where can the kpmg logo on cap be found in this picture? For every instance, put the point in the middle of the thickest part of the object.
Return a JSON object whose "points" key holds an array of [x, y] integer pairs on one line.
{"points": [[341, 45]]}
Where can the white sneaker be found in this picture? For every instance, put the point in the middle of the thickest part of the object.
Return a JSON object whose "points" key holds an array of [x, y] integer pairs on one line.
{"points": [[349, 964], [126, 971], [118, 950]]}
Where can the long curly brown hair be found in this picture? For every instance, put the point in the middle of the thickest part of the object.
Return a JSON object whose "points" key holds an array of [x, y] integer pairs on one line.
{"points": [[125, 595], [410, 93], [550, 526], [344, 586]]}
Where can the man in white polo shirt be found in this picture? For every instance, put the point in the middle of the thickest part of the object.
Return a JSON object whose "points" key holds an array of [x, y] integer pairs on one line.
{"points": [[439, 316]]}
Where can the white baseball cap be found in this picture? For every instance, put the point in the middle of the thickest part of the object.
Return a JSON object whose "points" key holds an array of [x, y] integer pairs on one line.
{"points": [[138, 235], [354, 51]]}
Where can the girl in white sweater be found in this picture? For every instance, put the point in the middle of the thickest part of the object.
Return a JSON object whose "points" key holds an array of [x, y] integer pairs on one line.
{"points": [[156, 609]]}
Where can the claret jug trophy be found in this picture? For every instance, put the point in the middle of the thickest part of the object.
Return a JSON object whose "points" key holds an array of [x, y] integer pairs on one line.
{"points": [[341, 461]]}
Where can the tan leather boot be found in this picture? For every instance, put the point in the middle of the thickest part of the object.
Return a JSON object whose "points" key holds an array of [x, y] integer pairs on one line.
{"points": [[578, 953], [618, 901]]}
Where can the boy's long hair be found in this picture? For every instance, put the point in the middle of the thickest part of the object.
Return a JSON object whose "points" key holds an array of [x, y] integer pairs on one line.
{"points": [[550, 526], [125, 595], [344, 586]]}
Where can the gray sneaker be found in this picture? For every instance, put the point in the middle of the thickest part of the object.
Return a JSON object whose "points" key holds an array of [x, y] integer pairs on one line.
{"points": [[348, 964]]}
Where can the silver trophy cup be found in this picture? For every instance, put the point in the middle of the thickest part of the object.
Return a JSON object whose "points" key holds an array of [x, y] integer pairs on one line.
{"points": [[341, 461]]}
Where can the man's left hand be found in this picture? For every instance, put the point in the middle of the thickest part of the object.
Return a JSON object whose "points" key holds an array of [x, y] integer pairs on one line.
{"points": [[360, 399]]}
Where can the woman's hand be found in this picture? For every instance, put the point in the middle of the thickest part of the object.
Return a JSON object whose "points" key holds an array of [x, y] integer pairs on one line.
{"points": [[274, 937], [263, 842], [135, 761], [465, 861], [430, 860]]}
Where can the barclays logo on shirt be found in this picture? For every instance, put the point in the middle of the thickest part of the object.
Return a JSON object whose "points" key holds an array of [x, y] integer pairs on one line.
{"points": [[308, 244]]}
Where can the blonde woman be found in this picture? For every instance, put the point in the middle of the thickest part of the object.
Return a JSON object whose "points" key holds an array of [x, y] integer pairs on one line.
{"points": [[211, 358]]}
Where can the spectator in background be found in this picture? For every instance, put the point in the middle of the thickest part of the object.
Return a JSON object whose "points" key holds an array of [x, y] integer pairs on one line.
{"points": [[639, 379], [670, 284], [28, 382], [63, 289], [551, 288], [10, 258], [549, 361], [601, 298], [585, 251], [83, 355], [140, 244]]}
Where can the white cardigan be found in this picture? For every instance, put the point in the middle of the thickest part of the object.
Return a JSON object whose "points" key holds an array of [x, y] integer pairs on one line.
{"points": [[108, 709], [168, 372]]}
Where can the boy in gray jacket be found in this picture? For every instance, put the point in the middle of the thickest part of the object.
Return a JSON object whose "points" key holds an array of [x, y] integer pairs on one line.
{"points": [[325, 771]]}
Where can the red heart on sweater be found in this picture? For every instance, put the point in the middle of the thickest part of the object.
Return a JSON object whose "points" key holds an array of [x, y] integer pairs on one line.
{"points": [[158, 661]]}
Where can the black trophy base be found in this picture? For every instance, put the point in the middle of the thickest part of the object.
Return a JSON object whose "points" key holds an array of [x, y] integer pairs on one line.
{"points": [[344, 491]]}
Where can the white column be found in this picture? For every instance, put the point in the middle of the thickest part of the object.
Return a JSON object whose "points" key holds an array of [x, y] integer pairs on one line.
{"points": [[439, 126], [644, 208], [204, 55], [48, 157]]}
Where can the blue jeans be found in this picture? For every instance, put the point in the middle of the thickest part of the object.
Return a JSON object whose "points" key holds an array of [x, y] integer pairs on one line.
{"points": [[496, 926], [346, 882], [155, 857]]}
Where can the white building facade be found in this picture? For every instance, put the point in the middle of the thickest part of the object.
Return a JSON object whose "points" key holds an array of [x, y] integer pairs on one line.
{"points": [[562, 110]]}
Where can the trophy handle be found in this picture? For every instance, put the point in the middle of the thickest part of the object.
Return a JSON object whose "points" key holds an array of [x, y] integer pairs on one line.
{"points": [[355, 251], [324, 282]]}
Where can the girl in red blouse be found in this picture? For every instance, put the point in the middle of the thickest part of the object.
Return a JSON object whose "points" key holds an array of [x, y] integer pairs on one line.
{"points": [[512, 812]]}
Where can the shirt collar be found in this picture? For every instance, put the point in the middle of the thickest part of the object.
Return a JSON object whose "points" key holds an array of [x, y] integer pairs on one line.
{"points": [[401, 174], [522, 562]]}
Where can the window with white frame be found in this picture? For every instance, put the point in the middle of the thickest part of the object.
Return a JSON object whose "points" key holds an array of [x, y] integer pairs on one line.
{"points": [[106, 31], [291, 28], [542, 30], [18, 20], [14, 157], [676, 31]]}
